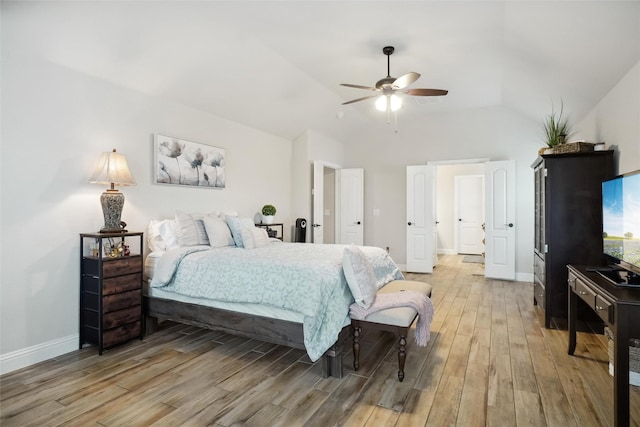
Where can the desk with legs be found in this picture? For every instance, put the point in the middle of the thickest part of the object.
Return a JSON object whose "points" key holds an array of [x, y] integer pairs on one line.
{"points": [[619, 307]]}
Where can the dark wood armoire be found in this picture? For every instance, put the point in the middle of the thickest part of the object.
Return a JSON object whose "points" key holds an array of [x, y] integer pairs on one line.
{"points": [[568, 224]]}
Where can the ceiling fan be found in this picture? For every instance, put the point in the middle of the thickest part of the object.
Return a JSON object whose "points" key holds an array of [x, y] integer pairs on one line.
{"points": [[387, 88]]}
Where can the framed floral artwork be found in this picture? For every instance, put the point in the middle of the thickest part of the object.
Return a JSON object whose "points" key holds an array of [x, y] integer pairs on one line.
{"points": [[181, 162]]}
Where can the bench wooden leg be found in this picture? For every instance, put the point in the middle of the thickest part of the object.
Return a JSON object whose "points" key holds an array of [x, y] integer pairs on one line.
{"points": [[355, 327], [402, 354]]}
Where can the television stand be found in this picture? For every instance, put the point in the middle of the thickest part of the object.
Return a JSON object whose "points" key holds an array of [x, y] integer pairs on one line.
{"points": [[619, 308]]}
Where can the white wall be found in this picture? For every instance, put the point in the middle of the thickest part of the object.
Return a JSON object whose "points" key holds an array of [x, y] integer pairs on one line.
{"points": [[616, 121], [494, 133], [56, 123]]}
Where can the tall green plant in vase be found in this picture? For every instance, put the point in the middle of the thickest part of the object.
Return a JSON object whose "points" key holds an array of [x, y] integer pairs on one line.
{"points": [[556, 128]]}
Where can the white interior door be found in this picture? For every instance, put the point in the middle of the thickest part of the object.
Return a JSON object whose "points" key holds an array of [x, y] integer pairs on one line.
{"points": [[500, 191], [420, 221], [469, 213], [317, 233], [351, 183]]}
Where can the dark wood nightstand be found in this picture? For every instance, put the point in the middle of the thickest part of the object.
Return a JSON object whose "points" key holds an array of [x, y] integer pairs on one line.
{"points": [[110, 288]]}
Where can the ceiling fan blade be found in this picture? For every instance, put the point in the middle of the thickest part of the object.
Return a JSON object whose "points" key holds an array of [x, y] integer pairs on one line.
{"points": [[425, 92], [405, 80], [358, 86], [359, 99]]}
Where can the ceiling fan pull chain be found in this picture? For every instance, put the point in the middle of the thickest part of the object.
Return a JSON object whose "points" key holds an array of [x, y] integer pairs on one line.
{"points": [[388, 109], [395, 125]]}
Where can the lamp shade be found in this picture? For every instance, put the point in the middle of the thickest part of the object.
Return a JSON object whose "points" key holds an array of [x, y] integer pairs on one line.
{"points": [[112, 169], [388, 103]]}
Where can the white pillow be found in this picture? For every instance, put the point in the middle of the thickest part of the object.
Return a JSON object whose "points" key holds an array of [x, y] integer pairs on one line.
{"points": [[154, 239], [236, 225], [218, 232], [161, 235], [255, 237], [191, 231], [169, 234], [361, 279], [260, 237]]}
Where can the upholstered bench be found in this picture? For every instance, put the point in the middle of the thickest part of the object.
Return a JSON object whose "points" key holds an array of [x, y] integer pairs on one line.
{"points": [[397, 319]]}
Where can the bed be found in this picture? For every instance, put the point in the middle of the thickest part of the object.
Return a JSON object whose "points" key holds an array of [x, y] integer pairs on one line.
{"points": [[292, 294]]}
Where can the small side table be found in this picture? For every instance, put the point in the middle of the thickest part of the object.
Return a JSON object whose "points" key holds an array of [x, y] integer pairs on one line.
{"points": [[110, 288], [273, 228]]}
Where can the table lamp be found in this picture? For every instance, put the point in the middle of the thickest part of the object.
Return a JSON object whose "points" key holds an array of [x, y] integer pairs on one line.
{"points": [[112, 169]]}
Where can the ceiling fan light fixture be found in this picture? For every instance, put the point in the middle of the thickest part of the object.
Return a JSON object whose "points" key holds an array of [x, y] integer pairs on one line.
{"points": [[388, 103]]}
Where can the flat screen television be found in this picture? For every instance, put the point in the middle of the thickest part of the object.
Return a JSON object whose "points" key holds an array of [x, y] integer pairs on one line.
{"points": [[621, 227]]}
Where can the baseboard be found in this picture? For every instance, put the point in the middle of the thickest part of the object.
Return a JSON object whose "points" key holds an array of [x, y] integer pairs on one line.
{"points": [[524, 277], [38, 353]]}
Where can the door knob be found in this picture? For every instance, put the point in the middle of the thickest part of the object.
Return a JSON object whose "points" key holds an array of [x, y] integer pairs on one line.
{"points": [[459, 219], [409, 223], [509, 225], [358, 222]]}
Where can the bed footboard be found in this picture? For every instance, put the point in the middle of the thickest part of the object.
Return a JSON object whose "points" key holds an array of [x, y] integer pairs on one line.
{"points": [[267, 329]]}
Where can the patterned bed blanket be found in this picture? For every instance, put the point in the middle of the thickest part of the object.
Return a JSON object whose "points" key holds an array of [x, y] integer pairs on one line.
{"points": [[302, 277]]}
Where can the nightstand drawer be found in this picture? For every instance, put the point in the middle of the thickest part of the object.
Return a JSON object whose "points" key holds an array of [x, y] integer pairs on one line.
{"points": [[122, 317], [120, 266], [118, 284], [120, 301], [121, 334]]}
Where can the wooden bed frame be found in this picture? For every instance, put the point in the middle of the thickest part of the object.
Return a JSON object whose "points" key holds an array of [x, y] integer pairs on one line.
{"points": [[262, 328]]}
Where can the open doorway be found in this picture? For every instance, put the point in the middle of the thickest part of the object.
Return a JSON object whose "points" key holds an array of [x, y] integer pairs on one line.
{"points": [[337, 204], [459, 216], [498, 232]]}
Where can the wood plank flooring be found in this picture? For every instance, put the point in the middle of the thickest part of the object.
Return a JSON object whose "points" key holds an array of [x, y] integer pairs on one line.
{"points": [[489, 363]]}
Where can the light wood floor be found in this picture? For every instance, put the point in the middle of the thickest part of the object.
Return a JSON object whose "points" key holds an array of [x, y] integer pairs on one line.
{"points": [[489, 362]]}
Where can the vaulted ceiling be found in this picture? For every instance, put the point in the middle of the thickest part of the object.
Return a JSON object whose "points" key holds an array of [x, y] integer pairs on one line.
{"points": [[277, 66]]}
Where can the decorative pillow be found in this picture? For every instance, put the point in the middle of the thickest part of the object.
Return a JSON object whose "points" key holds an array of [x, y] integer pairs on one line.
{"points": [[154, 239], [255, 237], [161, 235], [218, 232], [169, 234], [361, 279], [236, 225], [260, 237], [191, 231]]}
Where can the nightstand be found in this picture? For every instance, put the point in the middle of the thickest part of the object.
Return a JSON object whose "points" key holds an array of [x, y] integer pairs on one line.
{"points": [[110, 288]]}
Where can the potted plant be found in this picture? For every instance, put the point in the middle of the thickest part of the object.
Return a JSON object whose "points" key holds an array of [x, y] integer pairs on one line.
{"points": [[268, 211], [556, 128]]}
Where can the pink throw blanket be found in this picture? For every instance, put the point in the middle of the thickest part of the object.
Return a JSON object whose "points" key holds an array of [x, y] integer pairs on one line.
{"points": [[420, 302]]}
